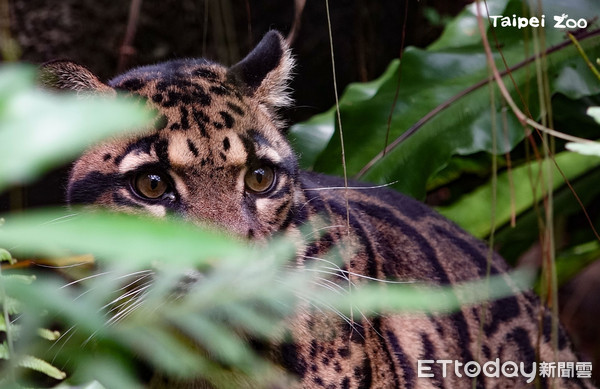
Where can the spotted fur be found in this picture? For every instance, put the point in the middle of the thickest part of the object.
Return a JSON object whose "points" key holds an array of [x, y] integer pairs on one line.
{"points": [[214, 126]]}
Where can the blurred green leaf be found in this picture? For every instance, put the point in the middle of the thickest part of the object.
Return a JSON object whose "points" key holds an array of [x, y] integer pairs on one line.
{"points": [[135, 240], [595, 113], [5, 256], [426, 298], [584, 148], [39, 129]]}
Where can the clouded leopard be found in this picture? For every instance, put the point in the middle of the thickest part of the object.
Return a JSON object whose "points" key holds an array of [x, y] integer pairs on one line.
{"points": [[218, 153]]}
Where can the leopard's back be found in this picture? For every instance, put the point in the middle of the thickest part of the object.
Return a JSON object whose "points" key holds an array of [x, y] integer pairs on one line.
{"points": [[218, 154], [402, 239]]}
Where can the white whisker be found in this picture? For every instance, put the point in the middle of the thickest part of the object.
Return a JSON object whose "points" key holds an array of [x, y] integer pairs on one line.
{"points": [[328, 287], [333, 273], [124, 313], [131, 293], [324, 228], [347, 272], [371, 278], [59, 219], [330, 308], [353, 187], [63, 343], [338, 286], [85, 279]]}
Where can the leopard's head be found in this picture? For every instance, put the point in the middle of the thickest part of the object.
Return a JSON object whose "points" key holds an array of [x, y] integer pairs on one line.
{"points": [[217, 152]]}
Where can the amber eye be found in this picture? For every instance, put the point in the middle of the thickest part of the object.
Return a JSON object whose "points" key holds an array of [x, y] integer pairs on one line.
{"points": [[150, 185], [260, 180]]}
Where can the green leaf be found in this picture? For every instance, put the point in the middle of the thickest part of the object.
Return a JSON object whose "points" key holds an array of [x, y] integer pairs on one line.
{"points": [[448, 82], [473, 211], [463, 30], [514, 241], [42, 366], [50, 129]]}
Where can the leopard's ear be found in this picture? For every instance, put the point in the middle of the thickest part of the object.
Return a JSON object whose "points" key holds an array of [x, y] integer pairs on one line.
{"points": [[67, 75], [266, 71]]}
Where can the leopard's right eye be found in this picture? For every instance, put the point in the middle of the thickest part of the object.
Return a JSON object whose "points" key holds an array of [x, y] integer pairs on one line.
{"points": [[150, 185], [260, 180]]}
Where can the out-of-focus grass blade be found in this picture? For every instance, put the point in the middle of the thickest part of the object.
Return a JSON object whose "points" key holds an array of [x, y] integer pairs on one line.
{"points": [[430, 299], [117, 238]]}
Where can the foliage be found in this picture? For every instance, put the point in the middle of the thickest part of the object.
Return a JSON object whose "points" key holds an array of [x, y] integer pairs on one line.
{"points": [[449, 76], [443, 134]]}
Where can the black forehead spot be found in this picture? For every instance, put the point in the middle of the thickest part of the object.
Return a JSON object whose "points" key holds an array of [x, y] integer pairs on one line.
{"points": [[220, 90], [192, 147], [201, 119], [161, 147], [205, 73], [178, 69], [106, 157], [235, 108], [228, 121], [226, 144], [174, 91], [185, 124], [132, 84], [200, 96], [200, 116]]}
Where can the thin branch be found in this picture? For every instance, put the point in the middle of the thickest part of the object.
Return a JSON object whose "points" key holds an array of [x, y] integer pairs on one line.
{"points": [[339, 118], [397, 93], [298, 11], [127, 50]]}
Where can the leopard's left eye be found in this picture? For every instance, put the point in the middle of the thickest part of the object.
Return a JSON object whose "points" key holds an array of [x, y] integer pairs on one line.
{"points": [[260, 179], [150, 185]]}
